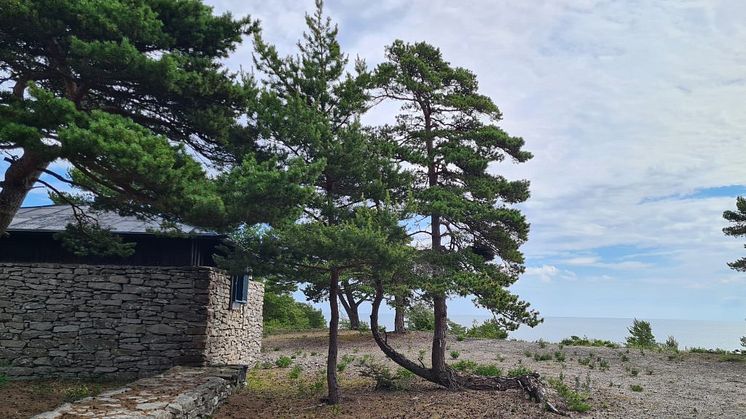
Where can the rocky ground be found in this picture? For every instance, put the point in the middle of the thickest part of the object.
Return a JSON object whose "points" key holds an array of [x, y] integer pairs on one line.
{"points": [[668, 385]]}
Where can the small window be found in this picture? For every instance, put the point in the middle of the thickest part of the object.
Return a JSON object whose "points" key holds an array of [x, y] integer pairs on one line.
{"points": [[240, 289]]}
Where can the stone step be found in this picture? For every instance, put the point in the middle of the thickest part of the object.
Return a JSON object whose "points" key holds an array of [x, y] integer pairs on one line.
{"points": [[181, 392]]}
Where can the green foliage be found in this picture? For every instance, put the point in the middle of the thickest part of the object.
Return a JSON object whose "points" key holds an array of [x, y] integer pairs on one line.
{"points": [[448, 137], [294, 373], [698, 350], [489, 329], [542, 357], [385, 379], [282, 313], [80, 391], [559, 356], [487, 370], [733, 358], [129, 94], [641, 335], [455, 328], [636, 388], [743, 341], [519, 371], [584, 341], [737, 228], [464, 365], [88, 238], [455, 354], [671, 344], [576, 401], [283, 361], [3, 380], [420, 317]]}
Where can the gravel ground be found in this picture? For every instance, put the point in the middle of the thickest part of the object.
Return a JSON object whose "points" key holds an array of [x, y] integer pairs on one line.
{"points": [[673, 385]]}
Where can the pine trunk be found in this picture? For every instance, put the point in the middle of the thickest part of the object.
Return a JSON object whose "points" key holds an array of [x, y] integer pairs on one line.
{"points": [[331, 360], [19, 179], [399, 315], [351, 308]]}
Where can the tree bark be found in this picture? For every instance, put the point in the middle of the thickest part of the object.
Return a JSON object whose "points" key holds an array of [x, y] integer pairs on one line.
{"points": [[439, 334], [331, 360], [399, 308], [351, 307], [20, 177]]}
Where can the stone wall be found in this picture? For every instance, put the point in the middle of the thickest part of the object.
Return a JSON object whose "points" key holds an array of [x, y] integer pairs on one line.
{"points": [[85, 320], [234, 331]]}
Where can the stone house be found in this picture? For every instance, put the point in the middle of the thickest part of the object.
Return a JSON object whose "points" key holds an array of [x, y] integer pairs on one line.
{"points": [[63, 315]]}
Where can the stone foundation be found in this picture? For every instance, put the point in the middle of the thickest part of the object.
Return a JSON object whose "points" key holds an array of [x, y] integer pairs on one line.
{"points": [[84, 321]]}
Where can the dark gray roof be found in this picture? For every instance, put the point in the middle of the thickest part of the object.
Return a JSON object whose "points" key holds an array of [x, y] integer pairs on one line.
{"points": [[54, 218]]}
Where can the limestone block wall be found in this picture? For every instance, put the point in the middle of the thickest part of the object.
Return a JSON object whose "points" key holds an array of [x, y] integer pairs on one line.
{"points": [[234, 331], [85, 320]]}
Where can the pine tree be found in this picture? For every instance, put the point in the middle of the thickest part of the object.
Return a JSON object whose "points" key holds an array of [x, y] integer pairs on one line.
{"points": [[447, 135], [126, 93], [738, 229], [311, 111]]}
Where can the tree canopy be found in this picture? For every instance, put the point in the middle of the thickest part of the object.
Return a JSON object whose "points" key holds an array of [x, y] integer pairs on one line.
{"points": [[131, 97]]}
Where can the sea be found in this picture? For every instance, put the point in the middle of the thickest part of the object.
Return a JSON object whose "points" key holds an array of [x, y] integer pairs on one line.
{"points": [[689, 333]]}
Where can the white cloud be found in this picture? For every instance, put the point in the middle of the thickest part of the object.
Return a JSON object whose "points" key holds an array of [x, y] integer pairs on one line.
{"points": [[619, 102]]}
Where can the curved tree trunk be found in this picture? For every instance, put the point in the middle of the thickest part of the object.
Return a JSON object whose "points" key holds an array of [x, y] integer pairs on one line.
{"points": [[348, 303], [530, 384], [20, 177], [331, 360]]}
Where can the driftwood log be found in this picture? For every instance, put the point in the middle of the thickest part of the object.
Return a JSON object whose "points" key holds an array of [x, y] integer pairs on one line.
{"points": [[450, 379]]}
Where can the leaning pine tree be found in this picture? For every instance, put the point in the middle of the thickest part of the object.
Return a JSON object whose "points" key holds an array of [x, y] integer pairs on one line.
{"points": [[447, 135]]}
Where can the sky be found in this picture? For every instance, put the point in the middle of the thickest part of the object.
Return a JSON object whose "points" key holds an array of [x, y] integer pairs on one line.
{"points": [[634, 113]]}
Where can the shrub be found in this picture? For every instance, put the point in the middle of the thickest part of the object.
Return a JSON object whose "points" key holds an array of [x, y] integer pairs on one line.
{"points": [[283, 314], [576, 401], [641, 335], [464, 365], [488, 370], [456, 328], [283, 361], [295, 372], [733, 358], [743, 341], [559, 356], [460, 338], [78, 392], [420, 317], [671, 344], [455, 354], [542, 357], [384, 379], [636, 387], [584, 341], [717, 351], [489, 329], [519, 371]]}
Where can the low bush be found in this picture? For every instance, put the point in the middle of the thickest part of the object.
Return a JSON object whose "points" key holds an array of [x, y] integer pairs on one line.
{"points": [[464, 365], [295, 372], [455, 354], [489, 329], [671, 344], [733, 358], [636, 387], [488, 370], [283, 361], [584, 341], [519, 371], [385, 379], [3, 380], [575, 401]]}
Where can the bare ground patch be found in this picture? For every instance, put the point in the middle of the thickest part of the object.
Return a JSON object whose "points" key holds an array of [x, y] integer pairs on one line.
{"points": [[671, 385]]}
